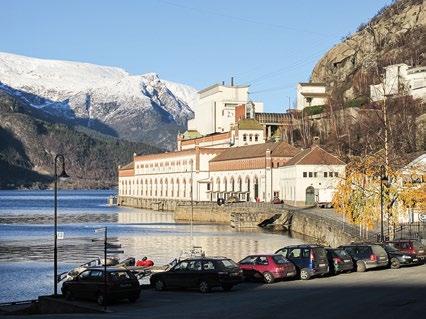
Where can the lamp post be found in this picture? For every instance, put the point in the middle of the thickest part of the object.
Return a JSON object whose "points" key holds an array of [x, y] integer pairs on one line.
{"points": [[63, 175], [383, 178]]}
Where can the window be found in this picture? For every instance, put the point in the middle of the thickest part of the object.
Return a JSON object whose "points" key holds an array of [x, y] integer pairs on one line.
{"points": [[325, 174], [330, 174], [244, 137], [119, 275], [250, 137], [282, 251], [194, 265], [181, 266], [248, 260], [305, 174], [261, 260], [315, 174], [280, 260], [295, 253], [208, 265], [256, 137], [310, 174], [84, 275], [208, 186], [336, 174]]}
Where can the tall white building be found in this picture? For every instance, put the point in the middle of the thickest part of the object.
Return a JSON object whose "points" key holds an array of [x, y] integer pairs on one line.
{"points": [[310, 94], [215, 108], [401, 79]]}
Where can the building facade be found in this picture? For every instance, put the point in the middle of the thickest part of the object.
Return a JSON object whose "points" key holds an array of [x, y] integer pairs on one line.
{"points": [[401, 79], [310, 94], [310, 177]]}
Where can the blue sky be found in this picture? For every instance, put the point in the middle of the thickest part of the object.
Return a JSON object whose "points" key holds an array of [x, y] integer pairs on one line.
{"points": [[269, 44]]}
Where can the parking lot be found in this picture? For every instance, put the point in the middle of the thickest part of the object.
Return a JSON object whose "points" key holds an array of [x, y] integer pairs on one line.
{"points": [[399, 293]]}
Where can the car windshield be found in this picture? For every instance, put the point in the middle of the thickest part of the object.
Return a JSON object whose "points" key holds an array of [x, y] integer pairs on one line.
{"points": [[341, 253], [389, 248], [320, 252], [279, 259], [378, 250], [227, 263]]}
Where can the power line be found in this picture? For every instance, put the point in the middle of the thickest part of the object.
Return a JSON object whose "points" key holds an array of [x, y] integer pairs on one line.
{"points": [[243, 19]]}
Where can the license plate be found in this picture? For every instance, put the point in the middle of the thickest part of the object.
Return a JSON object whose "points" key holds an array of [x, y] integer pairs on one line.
{"points": [[322, 265], [415, 259], [346, 260], [382, 258], [421, 251]]}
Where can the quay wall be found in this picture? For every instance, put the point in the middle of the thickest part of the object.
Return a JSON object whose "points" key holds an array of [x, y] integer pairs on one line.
{"points": [[308, 222]]}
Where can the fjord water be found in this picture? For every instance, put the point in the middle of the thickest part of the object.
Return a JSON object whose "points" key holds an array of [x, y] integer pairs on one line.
{"points": [[26, 237]]}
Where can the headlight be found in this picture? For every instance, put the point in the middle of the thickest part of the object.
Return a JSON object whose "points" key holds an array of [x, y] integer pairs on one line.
{"points": [[406, 257]]}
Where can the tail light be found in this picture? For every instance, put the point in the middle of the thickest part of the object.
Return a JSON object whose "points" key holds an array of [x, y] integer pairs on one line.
{"points": [[373, 257], [337, 260]]}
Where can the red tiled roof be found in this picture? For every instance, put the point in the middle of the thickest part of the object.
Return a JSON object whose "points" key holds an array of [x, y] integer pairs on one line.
{"points": [[131, 165], [281, 149], [314, 156]]}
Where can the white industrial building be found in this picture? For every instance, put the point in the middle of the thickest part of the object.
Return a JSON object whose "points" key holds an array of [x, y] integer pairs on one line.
{"points": [[401, 79]]}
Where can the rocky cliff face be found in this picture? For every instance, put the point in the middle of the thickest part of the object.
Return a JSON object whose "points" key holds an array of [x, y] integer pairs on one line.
{"points": [[141, 108], [397, 34]]}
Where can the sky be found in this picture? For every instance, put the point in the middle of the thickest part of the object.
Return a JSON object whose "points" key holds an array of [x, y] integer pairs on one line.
{"points": [[270, 45]]}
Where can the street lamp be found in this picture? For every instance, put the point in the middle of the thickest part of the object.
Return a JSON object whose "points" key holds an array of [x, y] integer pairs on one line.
{"points": [[63, 175], [383, 178]]}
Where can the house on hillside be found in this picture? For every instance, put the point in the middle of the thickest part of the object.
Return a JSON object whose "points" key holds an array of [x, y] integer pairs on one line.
{"points": [[310, 94]]}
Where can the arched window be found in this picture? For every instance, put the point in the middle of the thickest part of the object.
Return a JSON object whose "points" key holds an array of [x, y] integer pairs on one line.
{"points": [[256, 137], [172, 188], [232, 184], [244, 137], [166, 188], [177, 188], [251, 137], [240, 184], [218, 184], [225, 182]]}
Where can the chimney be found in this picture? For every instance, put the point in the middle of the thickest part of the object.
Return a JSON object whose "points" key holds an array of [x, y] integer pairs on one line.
{"points": [[232, 81]]}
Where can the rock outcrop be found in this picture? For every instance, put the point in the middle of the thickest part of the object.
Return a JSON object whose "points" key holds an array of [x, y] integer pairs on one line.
{"points": [[397, 34]]}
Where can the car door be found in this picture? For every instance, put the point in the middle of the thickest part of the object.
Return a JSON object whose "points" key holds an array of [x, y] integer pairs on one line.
{"points": [[261, 264], [247, 265], [95, 283], [295, 256], [175, 277], [79, 286], [195, 274]]}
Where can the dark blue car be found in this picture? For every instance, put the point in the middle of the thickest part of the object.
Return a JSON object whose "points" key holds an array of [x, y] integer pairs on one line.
{"points": [[310, 260]]}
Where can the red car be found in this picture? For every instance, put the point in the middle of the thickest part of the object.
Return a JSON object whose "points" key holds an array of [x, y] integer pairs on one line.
{"points": [[267, 267], [409, 246]]}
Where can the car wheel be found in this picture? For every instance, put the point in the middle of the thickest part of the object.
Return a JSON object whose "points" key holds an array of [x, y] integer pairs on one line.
{"points": [[304, 274], [268, 278], [395, 264], [360, 266], [100, 299], [68, 295], [227, 287], [159, 285], [204, 287]]}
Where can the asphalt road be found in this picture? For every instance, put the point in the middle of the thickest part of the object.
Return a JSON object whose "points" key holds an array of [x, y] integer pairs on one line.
{"points": [[386, 294]]}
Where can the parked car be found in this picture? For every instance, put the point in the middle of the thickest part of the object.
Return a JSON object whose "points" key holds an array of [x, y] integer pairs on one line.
{"points": [[277, 200], [367, 256], [410, 246], [267, 267], [232, 199], [339, 260], [398, 258], [202, 273], [310, 260], [90, 284]]}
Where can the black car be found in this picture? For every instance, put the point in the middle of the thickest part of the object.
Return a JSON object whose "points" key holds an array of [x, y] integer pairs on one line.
{"points": [[310, 260], [366, 255], [398, 258], [90, 284], [202, 273], [339, 260]]}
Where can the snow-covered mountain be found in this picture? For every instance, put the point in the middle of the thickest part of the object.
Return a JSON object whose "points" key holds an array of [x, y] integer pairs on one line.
{"points": [[136, 107]]}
